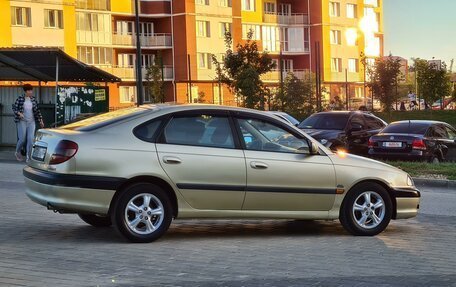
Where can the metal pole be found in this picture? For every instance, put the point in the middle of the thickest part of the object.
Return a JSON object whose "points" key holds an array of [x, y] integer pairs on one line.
{"points": [[189, 78], [220, 92], [162, 86], [346, 89], [56, 89], [139, 89], [281, 74]]}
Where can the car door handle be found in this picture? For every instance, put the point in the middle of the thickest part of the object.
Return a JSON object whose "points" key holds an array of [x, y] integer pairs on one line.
{"points": [[258, 165], [171, 160]]}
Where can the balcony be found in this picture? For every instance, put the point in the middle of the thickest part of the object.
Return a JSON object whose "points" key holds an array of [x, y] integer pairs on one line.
{"points": [[274, 75], [128, 73], [286, 19], [153, 41]]}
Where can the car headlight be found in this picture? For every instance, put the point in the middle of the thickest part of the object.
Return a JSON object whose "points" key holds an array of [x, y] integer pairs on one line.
{"points": [[410, 181], [324, 141]]}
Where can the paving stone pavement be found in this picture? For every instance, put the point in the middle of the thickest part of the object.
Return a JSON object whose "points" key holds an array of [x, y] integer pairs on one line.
{"points": [[40, 248]]}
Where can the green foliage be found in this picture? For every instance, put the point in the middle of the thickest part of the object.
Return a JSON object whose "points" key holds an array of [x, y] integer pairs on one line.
{"points": [[448, 116], [384, 76], [427, 170], [201, 97], [433, 82], [154, 81], [296, 98], [242, 69]]}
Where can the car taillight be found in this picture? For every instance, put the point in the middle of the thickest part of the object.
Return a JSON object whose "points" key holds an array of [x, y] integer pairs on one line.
{"points": [[418, 144], [64, 151], [370, 143]]}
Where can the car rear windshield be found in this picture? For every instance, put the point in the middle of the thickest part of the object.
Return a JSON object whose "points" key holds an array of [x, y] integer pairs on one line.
{"points": [[105, 119], [332, 121], [406, 128]]}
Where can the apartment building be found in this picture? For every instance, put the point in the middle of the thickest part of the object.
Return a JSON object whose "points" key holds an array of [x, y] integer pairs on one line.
{"points": [[187, 33]]}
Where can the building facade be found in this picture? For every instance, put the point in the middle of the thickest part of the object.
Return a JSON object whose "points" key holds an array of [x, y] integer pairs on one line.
{"points": [[185, 34]]}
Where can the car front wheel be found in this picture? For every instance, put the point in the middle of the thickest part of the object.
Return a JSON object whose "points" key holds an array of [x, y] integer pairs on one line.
{"points": [[366, 210], [142, 213]]}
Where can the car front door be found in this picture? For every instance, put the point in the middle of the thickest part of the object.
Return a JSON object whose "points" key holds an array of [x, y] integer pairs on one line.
{"points": [[450, 142], [281, 173], [202, 158], [357, 135]]}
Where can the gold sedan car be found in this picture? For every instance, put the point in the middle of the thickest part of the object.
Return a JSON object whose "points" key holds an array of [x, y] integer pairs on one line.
{"points": [[140, 168]]}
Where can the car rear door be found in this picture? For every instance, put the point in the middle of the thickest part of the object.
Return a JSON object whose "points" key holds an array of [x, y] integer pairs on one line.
{"points": [[281, 175], [357, 139], [450, 142], [199, 154]]}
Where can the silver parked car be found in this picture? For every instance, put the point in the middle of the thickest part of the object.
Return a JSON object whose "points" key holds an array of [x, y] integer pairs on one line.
{"points": [[140, 168]]}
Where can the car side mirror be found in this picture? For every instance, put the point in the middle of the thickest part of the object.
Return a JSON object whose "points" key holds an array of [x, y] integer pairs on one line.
{"points": [[313, 148]]}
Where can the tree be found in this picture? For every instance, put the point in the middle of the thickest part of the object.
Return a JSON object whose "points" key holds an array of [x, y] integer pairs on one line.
{"points": [[154, 80], [242, 69], [297, 97], [384, 76], [433, 82]]}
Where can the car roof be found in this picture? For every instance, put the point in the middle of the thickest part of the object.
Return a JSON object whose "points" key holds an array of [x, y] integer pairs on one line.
{"points": [[191, 107]]}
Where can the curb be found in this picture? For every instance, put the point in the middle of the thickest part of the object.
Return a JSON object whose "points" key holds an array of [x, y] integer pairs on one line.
{"points": [[441, 183]]}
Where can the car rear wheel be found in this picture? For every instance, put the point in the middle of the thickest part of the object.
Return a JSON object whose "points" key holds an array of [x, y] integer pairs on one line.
{"points": [[142, 213], [366, 210], [434, 159], [96, 220]]}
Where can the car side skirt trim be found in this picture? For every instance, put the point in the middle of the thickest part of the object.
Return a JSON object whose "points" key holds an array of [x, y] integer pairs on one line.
{"points": [[71, 180], [272, 189]]}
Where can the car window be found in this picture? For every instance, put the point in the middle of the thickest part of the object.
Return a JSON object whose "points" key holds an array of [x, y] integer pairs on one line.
{"points": [[439, 132], [357, 120], [147, 131], [327, 121], [451, 133], [373, 123], [202, 130], [263, 136]]}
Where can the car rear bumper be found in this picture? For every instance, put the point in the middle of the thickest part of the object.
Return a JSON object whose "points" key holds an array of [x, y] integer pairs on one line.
{"points": [[407, 203], [415, 155], [61, 192]]}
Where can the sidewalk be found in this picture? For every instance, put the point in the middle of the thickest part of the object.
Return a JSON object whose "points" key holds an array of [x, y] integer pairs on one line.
{"points": [[7, 155]]}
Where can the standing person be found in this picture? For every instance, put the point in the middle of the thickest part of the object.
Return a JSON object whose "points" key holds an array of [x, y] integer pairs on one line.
{"points": [[412, 98], [402, 108], [26, 112]]}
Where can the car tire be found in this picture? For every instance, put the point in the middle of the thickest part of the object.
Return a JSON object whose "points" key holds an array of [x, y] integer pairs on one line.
{"points": [[142, 213], [96, 220], [366, 210], [434, 159]]}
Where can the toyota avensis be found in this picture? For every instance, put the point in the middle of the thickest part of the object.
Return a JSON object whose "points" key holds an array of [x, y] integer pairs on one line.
{"points": [[140, 168]]}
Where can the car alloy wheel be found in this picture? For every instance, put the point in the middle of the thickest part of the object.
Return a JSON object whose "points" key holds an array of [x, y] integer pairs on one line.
{"points": [[369, 210], [366, 210], [142, 213]]}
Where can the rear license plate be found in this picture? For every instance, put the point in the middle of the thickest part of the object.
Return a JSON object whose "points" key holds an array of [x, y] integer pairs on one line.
{"points": [[392, 144], [39, 153]]}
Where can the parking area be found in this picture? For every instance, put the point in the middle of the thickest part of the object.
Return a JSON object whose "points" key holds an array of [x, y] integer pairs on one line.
{"points": [[40, 248]]}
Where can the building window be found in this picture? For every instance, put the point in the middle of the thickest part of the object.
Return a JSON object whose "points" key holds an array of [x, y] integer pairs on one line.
{"points": [[21, 16], [336, 65], [203, 29], [95, 55], [353, 65], [127, 94], [371, 2], [248, 5], [335, 37], [204, 60], [334, 9], [224, 29], [256, 33], [271, 38], [202, 2], [53, 19], [93, 5], [269, 8], [352, 11], [225, 3]]}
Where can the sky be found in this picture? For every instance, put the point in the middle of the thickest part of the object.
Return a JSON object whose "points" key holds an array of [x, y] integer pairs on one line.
{"points": [[420, 28]]}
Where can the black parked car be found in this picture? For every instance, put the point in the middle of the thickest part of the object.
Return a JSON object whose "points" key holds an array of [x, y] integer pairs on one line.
{"points": [[415, 140], [344, 130]]}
